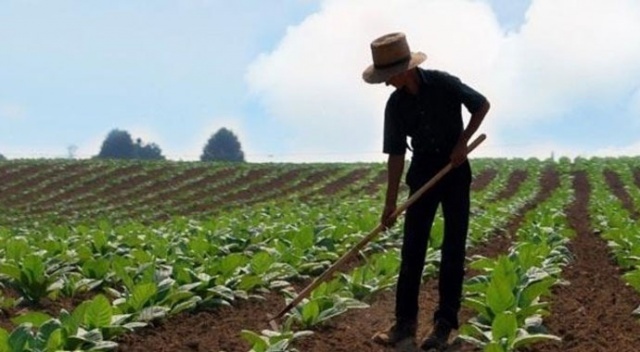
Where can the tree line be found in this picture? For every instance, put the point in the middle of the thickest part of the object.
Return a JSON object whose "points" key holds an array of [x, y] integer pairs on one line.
{"points": [[221, 146]]}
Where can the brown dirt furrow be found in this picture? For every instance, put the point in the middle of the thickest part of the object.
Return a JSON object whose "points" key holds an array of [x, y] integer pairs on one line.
{"points": [[501, 240], [379, 180], [76, 195], [287, 186], [26, 179], [483, 179], [204, 331], [191, 189], [340, 184], [514, 182], [593, 312], [114, 194], [219, 330], [636, 177], [156, 192], [251, 178], [549, 182], [69, 177], [373, 186], [353, 331], [312, 180], [617, 188], [11, 174], [256, 192]]}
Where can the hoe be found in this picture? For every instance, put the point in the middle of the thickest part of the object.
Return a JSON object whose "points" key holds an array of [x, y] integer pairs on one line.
{"points": [[399, 210]]}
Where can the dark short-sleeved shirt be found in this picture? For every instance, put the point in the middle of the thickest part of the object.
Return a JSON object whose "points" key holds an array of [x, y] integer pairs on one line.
{"points": [[432, 118]]}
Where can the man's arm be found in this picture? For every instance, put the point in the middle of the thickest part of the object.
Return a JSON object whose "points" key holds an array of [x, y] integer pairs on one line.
{"points": [[459, 154], [395, 167]]}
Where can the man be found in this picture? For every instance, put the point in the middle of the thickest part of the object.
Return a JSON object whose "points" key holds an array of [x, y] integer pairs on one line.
{"points": [[426, 106]]}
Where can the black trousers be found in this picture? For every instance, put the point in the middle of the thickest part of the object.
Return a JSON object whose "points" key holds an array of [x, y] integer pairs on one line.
{"points": [[453, 193]]}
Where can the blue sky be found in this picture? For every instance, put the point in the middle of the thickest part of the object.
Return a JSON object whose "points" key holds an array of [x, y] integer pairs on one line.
{"points": [[563, 76]]}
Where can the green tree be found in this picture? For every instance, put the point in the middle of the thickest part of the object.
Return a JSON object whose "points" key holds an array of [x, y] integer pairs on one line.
{"points": [[117, 145], [150, 151], [223, 146], [2, 157], [120, 145]]}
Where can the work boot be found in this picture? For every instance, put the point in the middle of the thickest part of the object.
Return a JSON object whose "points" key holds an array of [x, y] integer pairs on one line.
{"points": [[438, 338], [395, 334]]}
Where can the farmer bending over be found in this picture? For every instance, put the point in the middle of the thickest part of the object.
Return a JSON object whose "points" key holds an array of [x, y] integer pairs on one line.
{"points": [[426, 106]]}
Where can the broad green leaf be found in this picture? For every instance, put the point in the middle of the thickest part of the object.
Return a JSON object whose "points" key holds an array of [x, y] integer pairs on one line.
{"points": [[500, 295], [535, 290], [482, 263], [99, 313], [633, 279], [11, 271], [94, 335], [69, 322], [152, 313], [119, 266], [472, 334], [532, 310], [229, 264], [4, 340], [34, 318], [257, 341], [494, 347], [96, 268], [19, 337], [100, 241], [250, 282], [104, 345], [478, 306], [310, 313], [261, 262], [186, 305], [55, 342], [141, 295], [33, 266], [304, 239], [17, 248], [477, 284], [50, 329], [527, 340], [279, 346], [505, 271], [504, 326]]}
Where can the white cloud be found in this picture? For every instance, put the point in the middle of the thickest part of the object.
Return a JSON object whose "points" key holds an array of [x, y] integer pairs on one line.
{"points": [[312, 80], [568, 52]]}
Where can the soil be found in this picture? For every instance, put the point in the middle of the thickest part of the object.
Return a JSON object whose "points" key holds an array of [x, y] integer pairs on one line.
{"points": [[516, 178], [617, 188], [591, 312], [483, 179], [218, 330]]}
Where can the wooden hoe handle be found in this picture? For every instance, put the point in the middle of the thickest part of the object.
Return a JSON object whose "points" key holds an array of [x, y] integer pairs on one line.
{"points": [[399, 210]]}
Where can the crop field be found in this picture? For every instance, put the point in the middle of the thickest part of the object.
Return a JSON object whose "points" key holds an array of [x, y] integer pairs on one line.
{"points": [[190, 256]]}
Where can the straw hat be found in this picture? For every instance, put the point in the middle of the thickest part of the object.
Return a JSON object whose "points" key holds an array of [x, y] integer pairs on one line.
{"points": [[391, 55]]}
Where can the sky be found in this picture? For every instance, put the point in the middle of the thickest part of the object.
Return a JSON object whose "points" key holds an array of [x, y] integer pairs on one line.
{"points": [[562, 76]]}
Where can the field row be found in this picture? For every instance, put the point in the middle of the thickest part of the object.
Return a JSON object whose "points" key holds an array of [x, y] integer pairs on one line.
{"points": [[204, 279]]}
